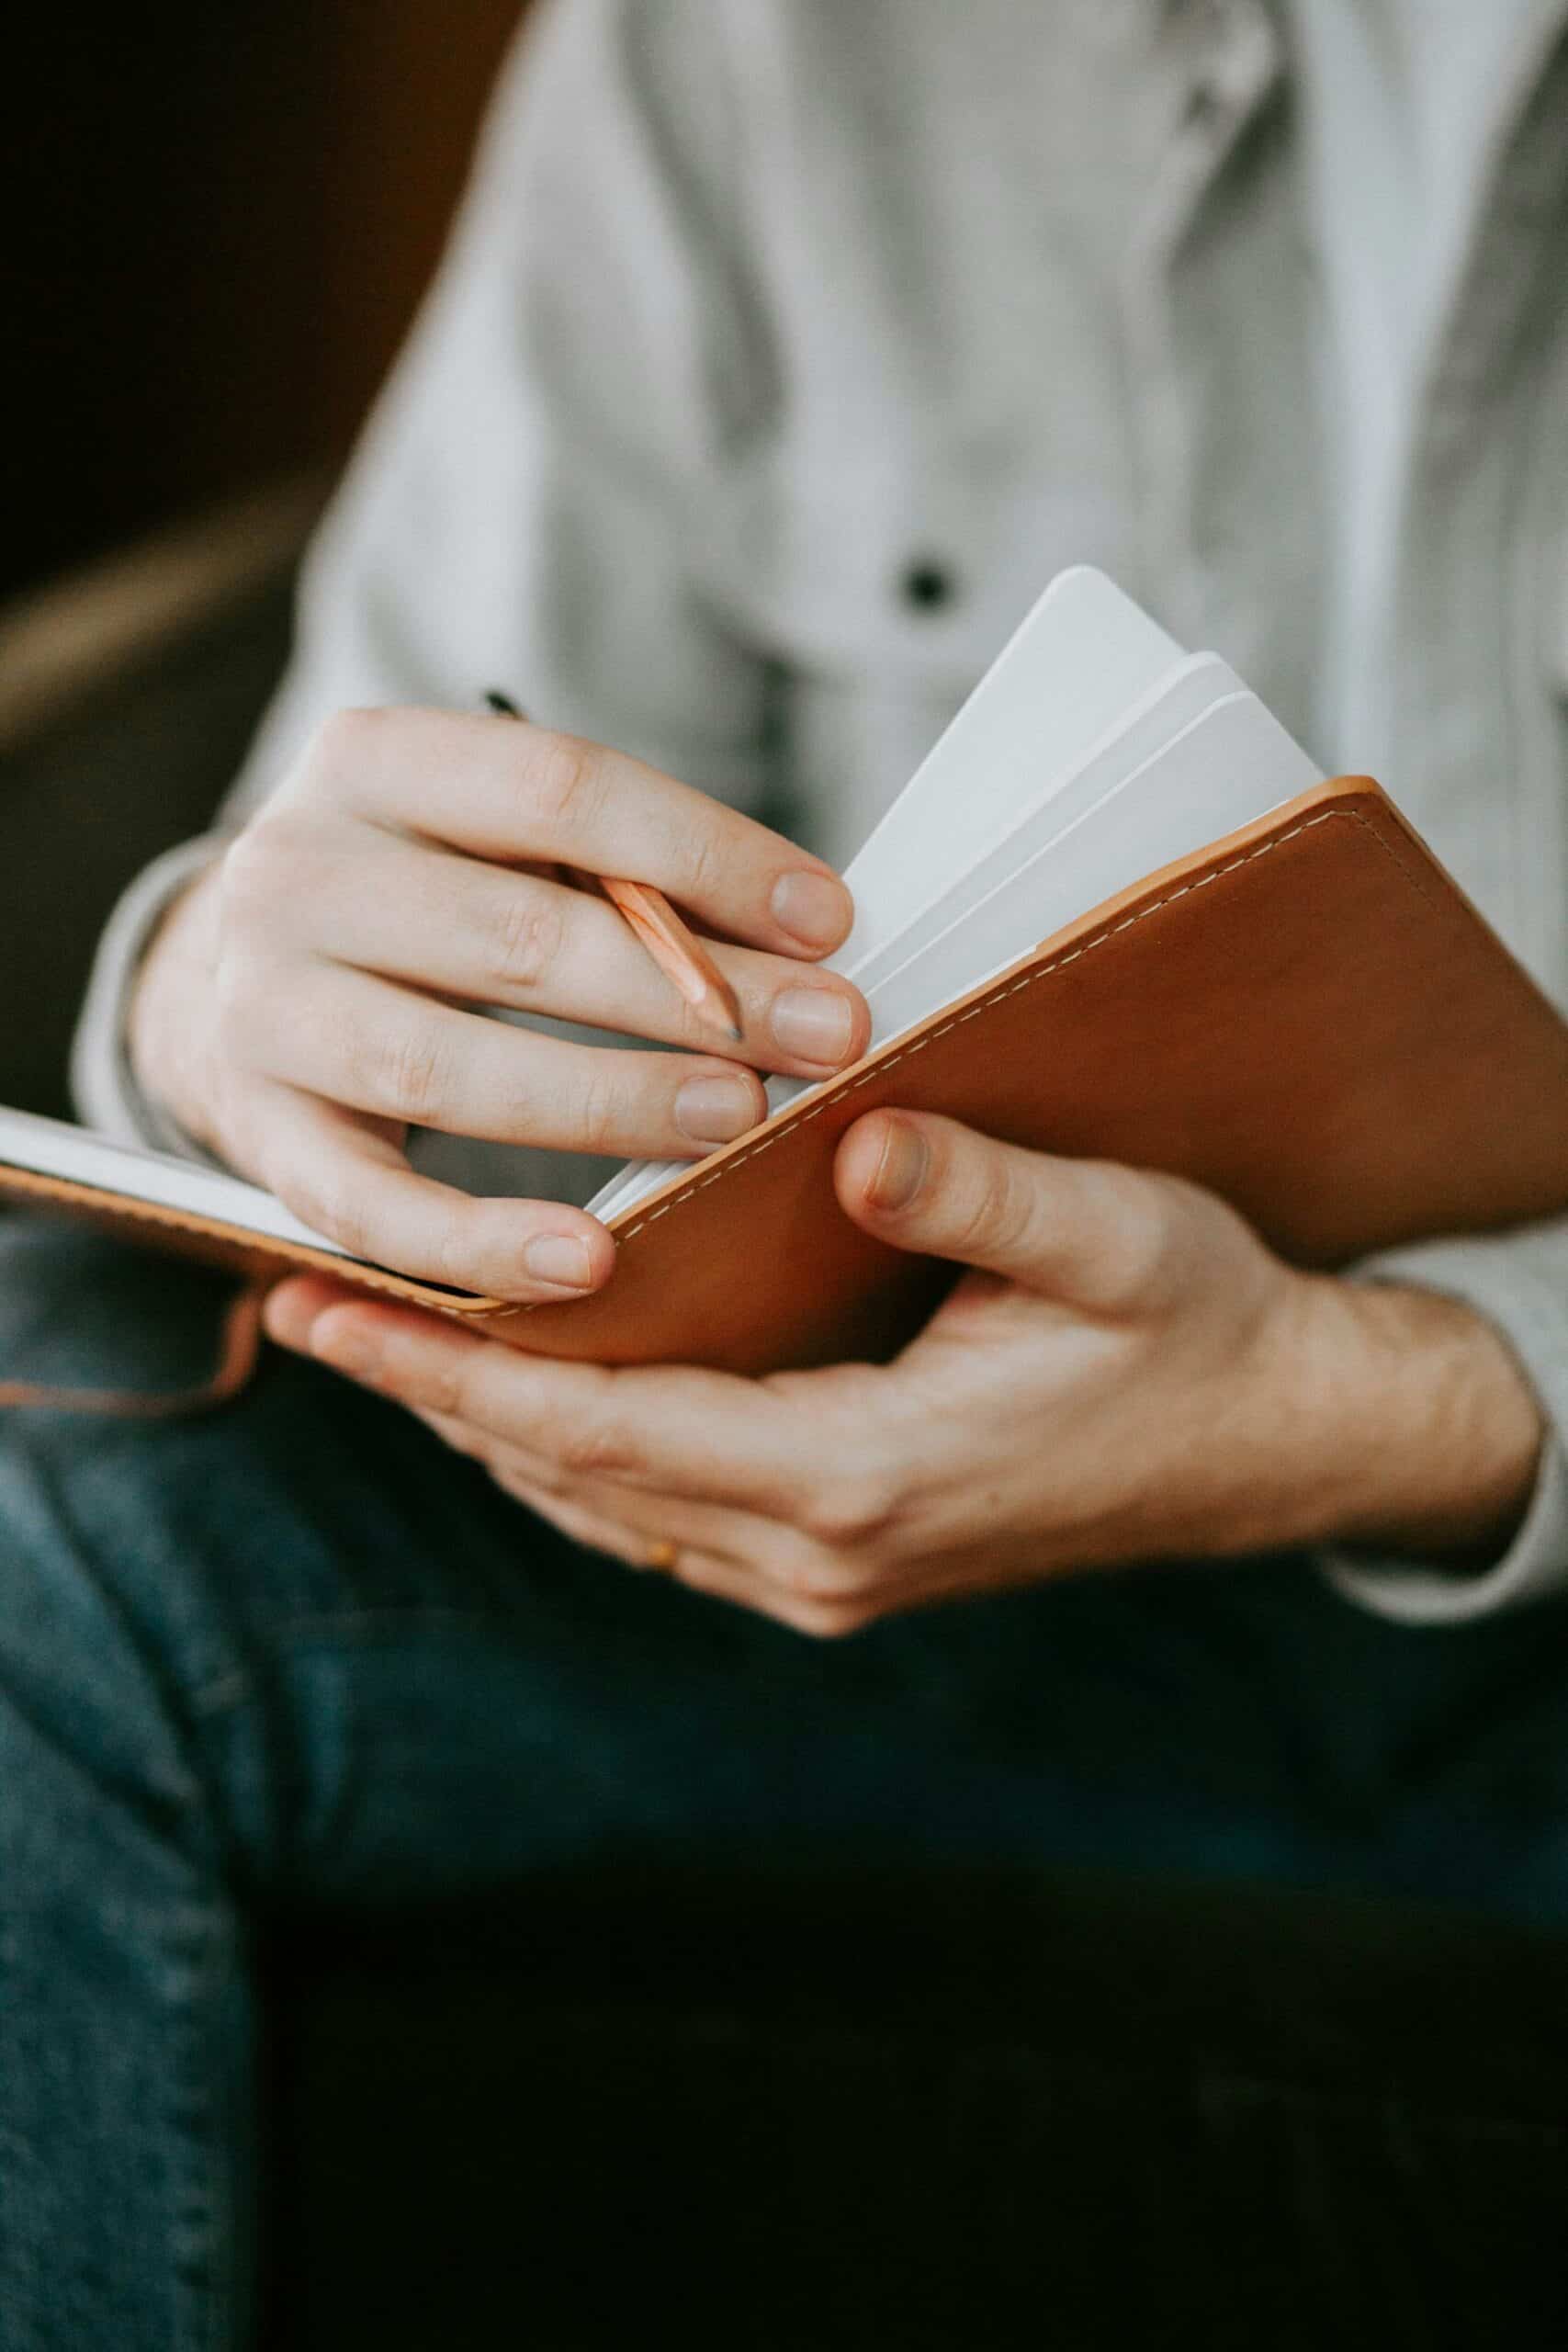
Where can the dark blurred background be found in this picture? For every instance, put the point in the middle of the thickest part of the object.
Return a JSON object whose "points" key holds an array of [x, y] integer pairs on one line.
{"points": [[220, 215]]}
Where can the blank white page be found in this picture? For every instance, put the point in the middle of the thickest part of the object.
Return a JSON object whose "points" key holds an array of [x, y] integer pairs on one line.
{"points": [[1226, 767], [1223, 769], [1067, 676], [1182, 695], [50, 1147], [1084, 659]]}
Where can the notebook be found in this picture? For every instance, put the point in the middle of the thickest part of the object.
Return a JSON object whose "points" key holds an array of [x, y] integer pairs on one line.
{"points": [[1116, 911]]}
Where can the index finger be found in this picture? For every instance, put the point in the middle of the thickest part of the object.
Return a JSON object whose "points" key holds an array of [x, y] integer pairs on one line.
{"points": [[505, 790], [707, 1435]]}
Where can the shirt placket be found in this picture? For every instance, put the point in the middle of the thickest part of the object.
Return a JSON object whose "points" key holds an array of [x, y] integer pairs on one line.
{"points": [[1216, 302], [1479, 758]]}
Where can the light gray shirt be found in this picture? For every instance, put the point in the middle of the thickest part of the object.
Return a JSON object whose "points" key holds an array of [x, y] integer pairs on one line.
{"points": [[786, 347], [1399, 103]]}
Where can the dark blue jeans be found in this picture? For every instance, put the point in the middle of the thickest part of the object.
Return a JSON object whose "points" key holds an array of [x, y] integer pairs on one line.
{"points": [[299, 1654]]}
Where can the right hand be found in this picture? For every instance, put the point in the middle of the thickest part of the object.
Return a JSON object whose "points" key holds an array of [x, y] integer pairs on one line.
{"points": [[304, 1003]]}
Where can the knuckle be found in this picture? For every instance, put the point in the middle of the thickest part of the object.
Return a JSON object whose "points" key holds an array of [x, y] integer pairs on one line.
{"points": [[831, 1621], [708, 872], [850, 1511], [407, 1073], [563, 775], [326, 1198], [803, 1570], [237, 986], [445, 1390], [237, 1043], [525, 938], [458, 1437], [604, 1100], [986, 1208], [343, 742], [253, 965], [546, 1477], [1140, 1226], [257, 870], [816, 1582], [452, 1255], [599, 1450], [1141, 1262], [521, 1471], [966, 1216], [997, 1215], [812, 1571]]}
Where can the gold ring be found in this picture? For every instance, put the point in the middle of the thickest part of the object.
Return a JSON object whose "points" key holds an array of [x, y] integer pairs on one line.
{"points": [[663, 1554]]}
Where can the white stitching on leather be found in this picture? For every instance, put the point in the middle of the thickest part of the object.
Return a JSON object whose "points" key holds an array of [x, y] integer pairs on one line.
{"points": [[877, 1069]]}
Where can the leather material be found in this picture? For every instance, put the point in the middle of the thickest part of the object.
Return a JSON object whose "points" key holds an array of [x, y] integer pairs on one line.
{"points": [[1307, 1016]]}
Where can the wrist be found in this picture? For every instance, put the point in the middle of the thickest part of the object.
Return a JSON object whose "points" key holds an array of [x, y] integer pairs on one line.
{"points": [[164, 1021], [1428, 1431]]}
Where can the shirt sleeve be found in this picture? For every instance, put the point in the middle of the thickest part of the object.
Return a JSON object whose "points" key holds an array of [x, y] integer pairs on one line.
{"points": [[1519, 1281], [530, 506]]}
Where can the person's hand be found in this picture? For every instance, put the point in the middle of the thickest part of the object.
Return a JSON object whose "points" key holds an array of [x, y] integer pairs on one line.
{"points": [[308, 1000], [1128, 1374]]}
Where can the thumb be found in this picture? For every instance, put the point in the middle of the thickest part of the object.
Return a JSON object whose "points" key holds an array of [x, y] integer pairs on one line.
{"points": [[1083, 1231]]}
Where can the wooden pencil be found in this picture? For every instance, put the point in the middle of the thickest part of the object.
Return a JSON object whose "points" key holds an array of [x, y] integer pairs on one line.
{"points": [[659, 930], [681, 957]]}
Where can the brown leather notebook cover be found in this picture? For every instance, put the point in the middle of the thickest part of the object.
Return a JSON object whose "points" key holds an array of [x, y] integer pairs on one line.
{"points": [[1307, 1016]]}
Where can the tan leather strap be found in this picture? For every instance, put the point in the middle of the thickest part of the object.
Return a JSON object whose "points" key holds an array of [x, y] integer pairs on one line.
{"points": [[238, 1348]]}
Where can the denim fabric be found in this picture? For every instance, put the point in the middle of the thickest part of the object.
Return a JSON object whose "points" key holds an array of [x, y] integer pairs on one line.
{"points": [[299, 1654]]}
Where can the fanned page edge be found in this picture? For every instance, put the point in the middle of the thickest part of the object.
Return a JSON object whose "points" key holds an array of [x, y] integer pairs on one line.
{"points": [[1151, 891]]}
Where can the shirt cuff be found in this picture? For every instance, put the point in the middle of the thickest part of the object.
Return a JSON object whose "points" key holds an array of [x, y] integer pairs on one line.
{"points": [[1519, 1282], [102, 1080], [1532, 1565]]}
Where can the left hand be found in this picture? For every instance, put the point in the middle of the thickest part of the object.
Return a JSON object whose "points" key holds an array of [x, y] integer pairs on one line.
{"points": [[1127, 1373]]}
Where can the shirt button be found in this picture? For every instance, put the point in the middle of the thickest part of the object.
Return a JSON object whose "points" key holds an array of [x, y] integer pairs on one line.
{"points": [[928, 584]]}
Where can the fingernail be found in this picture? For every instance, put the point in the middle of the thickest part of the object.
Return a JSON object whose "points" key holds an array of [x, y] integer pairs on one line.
{"points": [[556, 1258], [901, 1170], [288, 1321], [716, 1109], [813, 1025], [816, 909]]}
